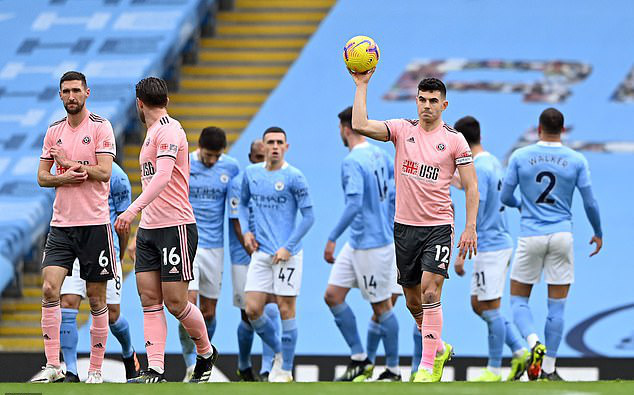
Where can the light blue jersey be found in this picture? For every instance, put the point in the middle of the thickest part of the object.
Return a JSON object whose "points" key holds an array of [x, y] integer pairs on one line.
{"points": [[208, 188], [274, 197], [239, 255], [547, 174], [366, 171], [119, 199], [492, 226]]}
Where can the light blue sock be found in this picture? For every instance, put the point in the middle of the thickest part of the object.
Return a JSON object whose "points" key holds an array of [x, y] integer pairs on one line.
{"points": [[347, 324], [211, 327], [68, 339], [187, 345], [121, 330], [418, 348], [273, 312], [389, 332], [522, 315], [374, 337], [554, 325], [289, 341], [495, 323], [263, 326], [511, 338], [245, 341]]}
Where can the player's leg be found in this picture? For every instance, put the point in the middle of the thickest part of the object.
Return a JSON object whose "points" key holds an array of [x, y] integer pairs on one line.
{"points": [[489, 311], [208, 310], [119, 325], [559, 275], [148, 264], [97, 263], [287, 283], [417, 352], [388, 324], [72, 291], [526, 271], [187, 345], [245, 332], [272, 311], [58, 261], [211, 269], [342, 278]]}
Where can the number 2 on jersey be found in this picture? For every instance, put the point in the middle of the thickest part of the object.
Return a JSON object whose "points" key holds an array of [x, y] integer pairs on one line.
{"points": [[543, 198]]}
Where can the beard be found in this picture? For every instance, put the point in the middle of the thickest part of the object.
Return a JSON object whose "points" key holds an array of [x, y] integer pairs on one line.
{"points": [[76, 110]]}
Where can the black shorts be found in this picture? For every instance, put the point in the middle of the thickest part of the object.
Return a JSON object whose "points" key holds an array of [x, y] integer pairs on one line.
{"points": [[91, 244], [422, 249], [170, 250]]}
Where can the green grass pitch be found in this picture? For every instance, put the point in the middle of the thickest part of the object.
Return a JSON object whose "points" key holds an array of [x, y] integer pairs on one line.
{"points": [[323, 388]]}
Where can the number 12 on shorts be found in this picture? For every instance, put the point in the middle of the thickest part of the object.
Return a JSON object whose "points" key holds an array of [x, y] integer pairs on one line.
{"points": [[444, 251]]}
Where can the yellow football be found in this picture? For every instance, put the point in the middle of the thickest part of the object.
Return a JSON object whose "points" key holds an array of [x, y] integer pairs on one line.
{"points": [[361, 54]]}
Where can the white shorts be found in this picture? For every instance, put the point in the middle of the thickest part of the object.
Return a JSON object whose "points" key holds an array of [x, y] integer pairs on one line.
{"points": [[239, 279], [74, 285], [283, 279], [373, 271], [489, 274], [208, 272], [552, 254]]}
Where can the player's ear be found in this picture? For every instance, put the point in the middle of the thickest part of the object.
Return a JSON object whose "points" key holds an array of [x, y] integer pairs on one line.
{"points": [[445, 104], [87, 92], [168, 102]]}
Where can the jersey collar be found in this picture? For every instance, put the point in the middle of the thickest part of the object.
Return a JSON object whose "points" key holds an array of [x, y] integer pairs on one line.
{"points": [[361, 145], [483, 153], [550, 143]]}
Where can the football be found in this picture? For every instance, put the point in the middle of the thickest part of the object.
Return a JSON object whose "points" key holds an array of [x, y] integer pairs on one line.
{"points": [[361, 54]]}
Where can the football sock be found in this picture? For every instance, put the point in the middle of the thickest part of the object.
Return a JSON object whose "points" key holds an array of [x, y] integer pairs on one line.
{"points": [[511, 338], [121, 330], [211, 327], [374, 337], [522, 316], [418, 348], [187, 345], [155, 333], [265, 329], [495, 324], [389, 331], [245, 342], [194, 323], [98, 338], [432, 331], [51, 323], [548, 365], [347, 324], [289, 341], [273, 313], [554, 328], [68, 339]]}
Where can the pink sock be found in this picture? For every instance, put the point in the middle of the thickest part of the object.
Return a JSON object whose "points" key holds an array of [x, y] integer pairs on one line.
{"points": [[155, 331], [98, 337], [194, 324], [51, 322], [432, 330]]}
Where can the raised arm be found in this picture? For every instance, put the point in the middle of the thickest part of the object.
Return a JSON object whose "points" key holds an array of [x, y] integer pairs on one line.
{"points": [[376, 130]]}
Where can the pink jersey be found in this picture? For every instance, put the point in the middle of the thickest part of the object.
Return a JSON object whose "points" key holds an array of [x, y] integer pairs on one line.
{"points": [[166, 138], [86, 203], [423, 168]]}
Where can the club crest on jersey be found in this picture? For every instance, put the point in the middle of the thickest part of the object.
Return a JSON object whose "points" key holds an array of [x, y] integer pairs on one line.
{"points": [[224, 178], [59, 142], [86, 140], [440, 147], [279, 186]]}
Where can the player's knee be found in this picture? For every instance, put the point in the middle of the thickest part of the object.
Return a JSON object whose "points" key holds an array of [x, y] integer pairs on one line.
{"points": [[97, 302], [208, 314], [113, 314], [413, 306], [475, 306], [287, 312], [331, 299], [254, 311], [50, 291], [176, 307], [430, 296]]}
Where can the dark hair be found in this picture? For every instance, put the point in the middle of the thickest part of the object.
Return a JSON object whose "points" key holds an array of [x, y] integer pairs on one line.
{"points": [[345, 117], [152, 91], [470, 129], [274, 129], [213, 138], [432, 84], [73, 76], [551, 121]]}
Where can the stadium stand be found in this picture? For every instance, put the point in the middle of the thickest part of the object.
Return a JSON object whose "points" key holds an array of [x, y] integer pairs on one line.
{"points": [[115, 43]]}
